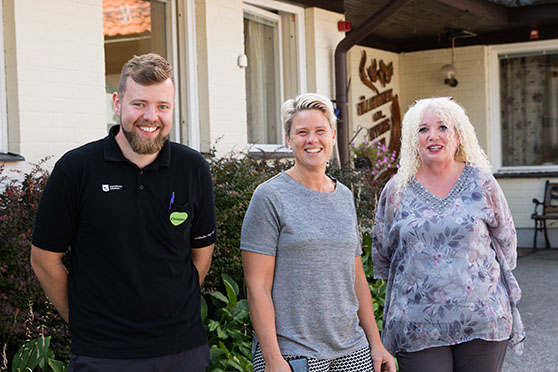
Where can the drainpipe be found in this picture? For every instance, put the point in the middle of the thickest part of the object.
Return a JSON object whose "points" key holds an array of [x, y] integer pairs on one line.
{"points": [[341, 71]]}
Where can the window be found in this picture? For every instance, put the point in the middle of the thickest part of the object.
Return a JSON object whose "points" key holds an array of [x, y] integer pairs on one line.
{"points": [[264, 86], [134, 27], [526, 114], [273, 43]]}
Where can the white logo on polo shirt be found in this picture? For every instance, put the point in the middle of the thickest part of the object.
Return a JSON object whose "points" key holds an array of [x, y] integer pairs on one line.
{"points": [[107, 188]]}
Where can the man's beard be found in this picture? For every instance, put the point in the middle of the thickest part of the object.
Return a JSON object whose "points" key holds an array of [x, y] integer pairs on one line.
{"points": [[141, 145]]}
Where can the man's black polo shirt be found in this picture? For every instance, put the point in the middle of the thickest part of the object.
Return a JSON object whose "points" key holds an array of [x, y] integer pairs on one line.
{"points": [[132, 286]]}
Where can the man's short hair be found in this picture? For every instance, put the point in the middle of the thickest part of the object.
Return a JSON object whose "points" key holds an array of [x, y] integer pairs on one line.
{"points": [[146, 69]]}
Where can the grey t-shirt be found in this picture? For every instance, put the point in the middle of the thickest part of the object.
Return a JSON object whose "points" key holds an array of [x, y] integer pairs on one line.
{"points": [[314, 238]]}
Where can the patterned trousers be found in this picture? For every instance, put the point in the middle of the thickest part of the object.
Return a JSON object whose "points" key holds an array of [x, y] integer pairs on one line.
{"points": [[359, 361]]}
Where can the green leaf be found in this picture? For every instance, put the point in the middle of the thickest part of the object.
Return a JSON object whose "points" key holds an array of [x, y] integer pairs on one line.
{"points": [[212, 325], [231, 294], [228, 279], [56, 365], [221, 333], [30, 354], [203, 310], [219, 296]]}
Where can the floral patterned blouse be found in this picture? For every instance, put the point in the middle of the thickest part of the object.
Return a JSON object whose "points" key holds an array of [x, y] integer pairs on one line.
{"points": [[448, 265]]}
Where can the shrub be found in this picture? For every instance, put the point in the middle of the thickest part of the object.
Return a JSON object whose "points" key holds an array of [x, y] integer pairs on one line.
{"points": [[36, 353], [25, 313], [375, 156], [230, 334], [235, 179]]}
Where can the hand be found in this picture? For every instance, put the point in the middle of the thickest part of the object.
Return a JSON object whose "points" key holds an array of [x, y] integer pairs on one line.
{"points": [[280, 365], [382, 359]]}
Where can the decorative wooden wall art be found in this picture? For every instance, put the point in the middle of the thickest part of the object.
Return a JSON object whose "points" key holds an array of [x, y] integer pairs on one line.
{"points": [[380, 74]]}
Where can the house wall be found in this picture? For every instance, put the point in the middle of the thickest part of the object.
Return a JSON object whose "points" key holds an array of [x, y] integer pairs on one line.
{"points": [[418, 75], [55, 76], [222, 85], [322, 38], [519, 194], [220, 40], [421, 77]]}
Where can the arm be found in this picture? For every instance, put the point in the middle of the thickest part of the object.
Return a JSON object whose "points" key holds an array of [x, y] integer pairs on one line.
{"points": [[53, 276], [258, 272], [202, 260], [382, 359]]}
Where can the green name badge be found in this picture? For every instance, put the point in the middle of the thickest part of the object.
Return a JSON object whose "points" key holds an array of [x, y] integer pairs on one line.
{"points": [[177, 218]]}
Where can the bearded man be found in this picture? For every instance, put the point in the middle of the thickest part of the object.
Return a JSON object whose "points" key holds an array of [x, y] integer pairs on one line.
{"points": [[138, 214]]}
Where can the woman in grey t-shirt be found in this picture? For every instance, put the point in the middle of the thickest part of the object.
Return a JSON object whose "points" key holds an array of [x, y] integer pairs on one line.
{"points": [[307, 291]]}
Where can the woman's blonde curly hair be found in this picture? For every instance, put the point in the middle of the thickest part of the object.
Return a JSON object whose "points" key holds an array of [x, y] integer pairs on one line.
{"points": [[454, 116]]}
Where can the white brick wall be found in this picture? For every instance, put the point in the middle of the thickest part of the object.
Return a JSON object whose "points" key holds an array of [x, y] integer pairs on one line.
{"points": [[222, 82], [55, 61], [223, 99], [519, 194], [421, 77], [322, 38]]}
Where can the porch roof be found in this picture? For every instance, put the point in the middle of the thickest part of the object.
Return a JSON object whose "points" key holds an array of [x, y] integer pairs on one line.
{"points": [[431, 24]]}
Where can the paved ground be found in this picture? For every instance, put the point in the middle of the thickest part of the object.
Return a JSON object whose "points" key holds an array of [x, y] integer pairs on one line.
{"points": [[537, 275]]}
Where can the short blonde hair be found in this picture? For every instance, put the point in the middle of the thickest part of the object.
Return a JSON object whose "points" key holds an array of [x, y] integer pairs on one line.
{"points": [[306, 101], [454, 116]]}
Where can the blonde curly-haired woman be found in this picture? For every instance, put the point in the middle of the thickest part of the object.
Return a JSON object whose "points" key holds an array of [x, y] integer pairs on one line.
{"points": [[445, 242]]}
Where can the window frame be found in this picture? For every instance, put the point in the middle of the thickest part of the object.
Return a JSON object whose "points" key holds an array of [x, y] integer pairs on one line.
{"points": [[180, 28], [495, 118], [279, 73], [187, 121], [300, 73], [3, 94]]}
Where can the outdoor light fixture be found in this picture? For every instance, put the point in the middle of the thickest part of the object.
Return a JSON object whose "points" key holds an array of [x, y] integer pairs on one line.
{"points": [[449, 71], [449, 75]]}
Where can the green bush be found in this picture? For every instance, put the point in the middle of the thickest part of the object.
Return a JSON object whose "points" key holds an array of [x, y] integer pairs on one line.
{"points": [[230, 334], [26, 314], [235, 179], [37, 353]]}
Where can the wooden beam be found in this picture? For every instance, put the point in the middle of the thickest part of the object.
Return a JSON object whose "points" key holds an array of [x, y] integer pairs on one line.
{"points": [[534, 15], [480, 8], [337, 6], [512, 35]]}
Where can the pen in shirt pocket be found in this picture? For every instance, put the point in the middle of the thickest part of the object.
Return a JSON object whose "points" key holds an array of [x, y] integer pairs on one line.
{"points": [[171, 200]]}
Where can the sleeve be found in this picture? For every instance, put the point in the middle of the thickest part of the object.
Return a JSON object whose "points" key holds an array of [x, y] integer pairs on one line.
{"points": [[57, 215], [261, 225], [504, 241], [204, 226], [382, 244], [501, 226]]}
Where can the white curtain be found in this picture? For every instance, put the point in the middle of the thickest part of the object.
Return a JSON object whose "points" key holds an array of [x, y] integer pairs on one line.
{"points": [[529, 89], [262, 100]]}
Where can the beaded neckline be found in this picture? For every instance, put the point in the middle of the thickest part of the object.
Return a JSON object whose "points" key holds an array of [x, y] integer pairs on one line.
{"points": [[441, 205]]}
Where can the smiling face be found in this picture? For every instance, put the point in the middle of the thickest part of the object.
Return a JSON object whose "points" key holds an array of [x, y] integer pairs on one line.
{"points": [[311, 139], [145, 113], [437, 141]]}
